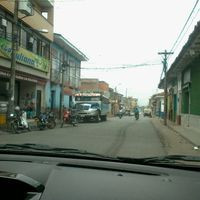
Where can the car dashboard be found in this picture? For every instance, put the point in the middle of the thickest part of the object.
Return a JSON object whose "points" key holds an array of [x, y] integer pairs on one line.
{"points": [[42, 177]]}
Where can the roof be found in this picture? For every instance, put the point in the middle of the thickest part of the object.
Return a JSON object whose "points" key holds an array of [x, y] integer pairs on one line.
{"points": [[189, 52], [45, 3], [64, 43]]}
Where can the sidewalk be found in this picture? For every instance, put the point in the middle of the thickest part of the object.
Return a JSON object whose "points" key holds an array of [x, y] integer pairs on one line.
{"points": [[190, 134]]}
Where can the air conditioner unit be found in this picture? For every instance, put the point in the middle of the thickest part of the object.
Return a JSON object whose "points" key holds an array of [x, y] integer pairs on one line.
{"points": [[31, 40], [25, 7], [4, 22]]}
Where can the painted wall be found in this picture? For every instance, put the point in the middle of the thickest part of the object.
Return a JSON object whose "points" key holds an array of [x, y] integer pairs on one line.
{"points": [[57, 90], [48, 88], [195, 89]]}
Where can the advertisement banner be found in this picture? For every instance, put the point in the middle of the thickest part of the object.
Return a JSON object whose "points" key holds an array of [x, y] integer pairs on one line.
{"points": [[24, 56]]}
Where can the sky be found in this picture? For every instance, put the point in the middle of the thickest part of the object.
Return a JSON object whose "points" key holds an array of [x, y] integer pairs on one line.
{"points": [[117, 33]]}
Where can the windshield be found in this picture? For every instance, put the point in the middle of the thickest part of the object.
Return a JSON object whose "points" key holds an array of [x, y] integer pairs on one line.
{"points": [[83, 106], [135, 63]]}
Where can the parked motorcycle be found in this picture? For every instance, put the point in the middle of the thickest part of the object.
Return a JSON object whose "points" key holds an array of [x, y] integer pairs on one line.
{"points": [[17, 121], [69, 117], [46, 120]]}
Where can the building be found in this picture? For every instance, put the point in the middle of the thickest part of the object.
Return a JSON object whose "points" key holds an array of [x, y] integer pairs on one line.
{"points": [[94, 85], [66, 58], [129, 103], [33, 54], [156, 103], [115, 102], [183, 81]]}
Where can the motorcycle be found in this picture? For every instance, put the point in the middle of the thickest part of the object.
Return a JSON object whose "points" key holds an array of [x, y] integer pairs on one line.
{"points": [[46, 120], [17, 122], [69, 117], [137, 115], [120, 114]]}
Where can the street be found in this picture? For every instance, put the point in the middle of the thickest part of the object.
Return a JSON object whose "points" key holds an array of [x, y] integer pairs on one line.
{"points": [[121, 137]]}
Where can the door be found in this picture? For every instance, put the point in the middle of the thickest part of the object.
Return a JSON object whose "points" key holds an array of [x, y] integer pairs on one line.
{"points": [[52, 99], [38, 102], [175, 108]]}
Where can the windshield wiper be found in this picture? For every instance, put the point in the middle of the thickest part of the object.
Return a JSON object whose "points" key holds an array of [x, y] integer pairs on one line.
{"points": [[40, 149], [48, 150], [170, 159]]}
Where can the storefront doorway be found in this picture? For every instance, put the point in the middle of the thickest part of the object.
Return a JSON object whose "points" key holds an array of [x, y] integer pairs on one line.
{"points": [[38, 102]]}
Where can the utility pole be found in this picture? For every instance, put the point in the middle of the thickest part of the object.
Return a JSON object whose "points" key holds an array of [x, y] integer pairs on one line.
{"points": [[165, 53], [11, 99], [62, 87]]}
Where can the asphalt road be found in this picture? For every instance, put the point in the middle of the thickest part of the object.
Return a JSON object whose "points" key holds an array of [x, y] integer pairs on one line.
{"points": [[121, 137]]}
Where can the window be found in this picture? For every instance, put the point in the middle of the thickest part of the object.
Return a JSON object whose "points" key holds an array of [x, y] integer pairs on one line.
{"points": [[45, 14], [6, 31], [9, 31], [45, 50], [35, 46], [39, 47], [23, 38], [30, 41]]}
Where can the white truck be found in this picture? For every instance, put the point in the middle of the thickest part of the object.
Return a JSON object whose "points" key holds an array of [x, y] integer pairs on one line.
{"points": [[92, 106]]}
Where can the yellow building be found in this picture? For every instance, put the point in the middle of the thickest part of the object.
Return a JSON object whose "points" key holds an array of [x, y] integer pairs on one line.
{"points": [[33, 55]]}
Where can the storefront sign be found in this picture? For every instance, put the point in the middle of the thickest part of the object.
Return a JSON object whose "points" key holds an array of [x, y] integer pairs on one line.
{"points": [[23, 56], [18, 77]]}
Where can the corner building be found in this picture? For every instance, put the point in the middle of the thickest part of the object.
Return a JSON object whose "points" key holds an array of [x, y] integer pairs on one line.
{"points": [[33, 54]]}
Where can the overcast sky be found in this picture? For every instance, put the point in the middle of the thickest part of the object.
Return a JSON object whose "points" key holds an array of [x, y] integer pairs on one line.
{"points": [[114, 33]]}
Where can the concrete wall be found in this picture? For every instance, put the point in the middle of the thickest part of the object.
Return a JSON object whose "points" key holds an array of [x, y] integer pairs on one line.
{"points": [[190, 121]]}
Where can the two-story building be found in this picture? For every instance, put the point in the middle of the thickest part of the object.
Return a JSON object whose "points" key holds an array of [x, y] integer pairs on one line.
{"points": [[33, 54], [94, 85], [66, 64]]}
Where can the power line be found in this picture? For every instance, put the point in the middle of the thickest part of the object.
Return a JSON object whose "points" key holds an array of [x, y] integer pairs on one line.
{"points": [[121, 67], [187, 29], [128, 66], [184, 26]]}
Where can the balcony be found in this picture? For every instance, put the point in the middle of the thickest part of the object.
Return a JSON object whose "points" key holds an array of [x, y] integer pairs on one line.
{"points": [[37, 21]]}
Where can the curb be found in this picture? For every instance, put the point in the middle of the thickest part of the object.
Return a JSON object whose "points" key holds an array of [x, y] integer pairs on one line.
{"points": [[188, 140], [179, 133]]}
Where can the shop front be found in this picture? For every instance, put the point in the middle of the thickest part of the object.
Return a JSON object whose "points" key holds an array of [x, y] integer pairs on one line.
{"points": [[29, 92]]}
